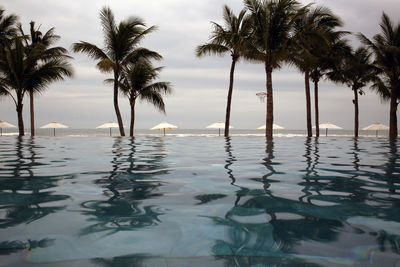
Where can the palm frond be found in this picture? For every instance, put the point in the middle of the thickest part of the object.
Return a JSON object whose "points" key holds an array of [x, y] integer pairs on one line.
{"points": [[142, 54], [211, 49], [105, 65], [51, 71], [154, 98], [90, 49]]}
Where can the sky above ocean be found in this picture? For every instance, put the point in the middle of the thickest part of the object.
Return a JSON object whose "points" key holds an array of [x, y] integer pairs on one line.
{"points": [[200, 85]]}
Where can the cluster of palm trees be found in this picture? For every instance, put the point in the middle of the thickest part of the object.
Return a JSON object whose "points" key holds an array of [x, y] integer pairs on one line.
{"points": [[29, 63], [277, 32]]}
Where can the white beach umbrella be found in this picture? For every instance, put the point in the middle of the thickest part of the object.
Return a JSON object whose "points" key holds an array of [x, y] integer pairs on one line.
{"points": [[218, 125], [274, 127], [108, 125], [4, 124], [54, 125], [327, 126], [376, 127], [163, 126]]}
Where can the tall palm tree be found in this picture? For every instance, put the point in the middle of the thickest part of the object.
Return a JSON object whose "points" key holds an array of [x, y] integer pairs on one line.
{"points": [[310, 31], [137, 83], [355, 70], [272, 22], [20, 73], [7, 26], [229, 39], [386, 49], [43, 43], [121, 47], [326, 57]]}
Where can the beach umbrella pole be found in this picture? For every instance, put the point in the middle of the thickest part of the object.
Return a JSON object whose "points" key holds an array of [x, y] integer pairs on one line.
{"points": [[376, 133], [1, 131], [164, 131], [54, 131], [326, 132], [219, 131], [110, 131]]}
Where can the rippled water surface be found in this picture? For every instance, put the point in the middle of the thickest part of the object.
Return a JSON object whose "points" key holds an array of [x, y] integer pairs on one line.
{"points": [[195, 201]]}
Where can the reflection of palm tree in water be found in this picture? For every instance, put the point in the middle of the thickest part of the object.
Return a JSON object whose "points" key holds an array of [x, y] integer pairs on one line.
{"points": [[391, 176], [254, 231], [230, 159], [311, 170], [391, 170], [131, 182], [265, 179], [269, 150], [356, 161], [25, 189], [117, 152]]}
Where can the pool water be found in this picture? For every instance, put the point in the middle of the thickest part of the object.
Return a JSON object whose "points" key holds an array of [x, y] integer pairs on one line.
{"points": [[199, 201]]}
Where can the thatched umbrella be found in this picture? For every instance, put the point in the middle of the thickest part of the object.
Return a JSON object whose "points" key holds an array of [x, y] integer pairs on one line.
{"points": [[376, 127], [164, 126], [4, 124], [54, 125], [327, 126], [274, 127], [108, 125], [218, 125]]}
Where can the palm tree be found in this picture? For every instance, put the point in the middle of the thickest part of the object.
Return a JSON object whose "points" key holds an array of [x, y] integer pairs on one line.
{"points": [[7, 32], [326, 58], [121, 47], [386, 49], [42, 42], [137, 83], [355, 70], [7, 27], [229, 39], [310, 30], [20, 72], [272, 23]]}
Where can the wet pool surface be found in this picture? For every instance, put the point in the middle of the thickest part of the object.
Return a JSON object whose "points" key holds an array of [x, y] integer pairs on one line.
{"points": [[195, 201]]}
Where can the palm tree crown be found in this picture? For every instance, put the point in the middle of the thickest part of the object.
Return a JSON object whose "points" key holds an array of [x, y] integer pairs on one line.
{"points": [[229, 39], [7, 27]]}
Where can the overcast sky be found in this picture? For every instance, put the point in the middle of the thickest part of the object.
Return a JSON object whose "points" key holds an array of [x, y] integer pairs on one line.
{"points": [[200, 85]]}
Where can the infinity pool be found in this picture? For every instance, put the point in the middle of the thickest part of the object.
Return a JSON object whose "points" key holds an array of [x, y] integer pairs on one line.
{"points": [[199, 201]]}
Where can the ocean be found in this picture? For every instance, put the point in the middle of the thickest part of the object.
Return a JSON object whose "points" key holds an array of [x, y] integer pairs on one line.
{"points": [[192, 132]]}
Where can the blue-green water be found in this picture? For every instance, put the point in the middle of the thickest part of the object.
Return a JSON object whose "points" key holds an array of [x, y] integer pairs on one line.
{"points": [[199, 201]]}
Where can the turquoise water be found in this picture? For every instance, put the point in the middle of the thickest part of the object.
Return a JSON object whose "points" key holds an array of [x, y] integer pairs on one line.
{"points": [[199, 201]]}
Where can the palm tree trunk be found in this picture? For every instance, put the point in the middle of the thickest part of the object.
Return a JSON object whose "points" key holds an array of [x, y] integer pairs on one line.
{"points": [[32, 114], [270, 108], [116, 107], [355, 112], [132, 126], [20, 107], [308, 103], [393, 114], [229, 100], [316, 108]]}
